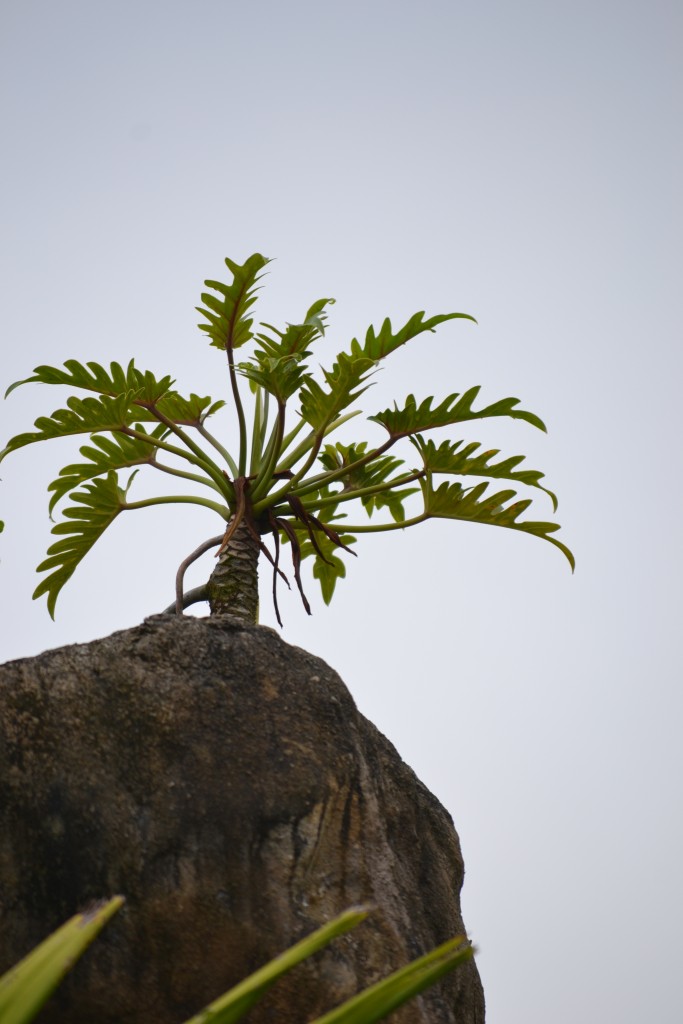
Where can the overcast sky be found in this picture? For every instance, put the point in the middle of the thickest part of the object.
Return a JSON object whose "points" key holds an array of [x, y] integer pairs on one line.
{"points": [[519, 162]]}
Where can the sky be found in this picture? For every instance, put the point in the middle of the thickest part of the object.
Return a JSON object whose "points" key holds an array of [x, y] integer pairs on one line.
{"points": [[518, 162]]}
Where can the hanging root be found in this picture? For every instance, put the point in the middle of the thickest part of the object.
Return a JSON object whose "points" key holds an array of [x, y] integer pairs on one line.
{"points": [[182, 600], [189, 597], [311, 524]]}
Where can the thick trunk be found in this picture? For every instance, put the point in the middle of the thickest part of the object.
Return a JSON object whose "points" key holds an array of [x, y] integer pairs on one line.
{"points": [[233, 585]]}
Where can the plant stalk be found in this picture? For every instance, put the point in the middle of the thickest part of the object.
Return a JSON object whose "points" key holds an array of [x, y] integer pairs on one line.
{"points": [[233, 584]]}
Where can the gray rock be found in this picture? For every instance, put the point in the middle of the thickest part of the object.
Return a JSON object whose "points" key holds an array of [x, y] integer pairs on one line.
{"points": [[224, 783]]}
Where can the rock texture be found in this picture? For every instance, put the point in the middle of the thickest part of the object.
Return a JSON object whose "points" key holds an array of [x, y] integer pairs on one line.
{"points": [[225, 783]]}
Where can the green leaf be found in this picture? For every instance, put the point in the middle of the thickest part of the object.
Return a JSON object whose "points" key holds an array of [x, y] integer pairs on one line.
{"points": [[453, 501], [451, 457], [228, 326], [368, 476], [117, 452], [82, 416], [105, 413], [412, 419], [184, 412], [357, 474], [98, 505], [296, 338], [320, 407], [379, 1000], [377, 346], [280, 376], [329, 569], [235, 1003], [392, 500], [148, 392], [278, 361], [93, 377], [25, 988]]}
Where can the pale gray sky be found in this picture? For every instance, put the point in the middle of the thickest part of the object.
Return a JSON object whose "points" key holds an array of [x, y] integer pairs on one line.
{"points": [[521, 162]]}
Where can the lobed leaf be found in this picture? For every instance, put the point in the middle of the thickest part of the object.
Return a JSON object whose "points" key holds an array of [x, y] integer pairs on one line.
{"points": [[115, 413], [453, 501], [368, 476], [357, 472], [98, 505], [93, 377], [228, 326], [329, 568], [277, 365], [320, 407], [296, 338], [451, 457], [109, 453], [414, 418], [391, 499], [378, 345], [280, 376], [82, 416], [184, 412]]}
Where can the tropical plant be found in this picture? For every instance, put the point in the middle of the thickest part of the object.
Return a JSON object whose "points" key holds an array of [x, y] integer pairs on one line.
{"points": [[26, 987], [285, 479]]}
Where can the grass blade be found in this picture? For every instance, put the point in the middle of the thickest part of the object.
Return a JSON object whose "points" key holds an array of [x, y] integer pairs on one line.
{"points": [[381, 999], [25, 987], [235, 1003]]}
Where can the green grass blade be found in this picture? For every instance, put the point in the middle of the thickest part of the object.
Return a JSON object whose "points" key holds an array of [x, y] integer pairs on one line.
{"points": [[381, 999], [235, 1003], [25, 987]]}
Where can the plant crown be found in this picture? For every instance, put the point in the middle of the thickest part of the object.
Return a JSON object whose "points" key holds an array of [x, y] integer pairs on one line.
{"points": [[285, 478]]}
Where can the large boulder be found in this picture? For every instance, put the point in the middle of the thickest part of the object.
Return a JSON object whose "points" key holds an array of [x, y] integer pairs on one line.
{"points": [[225, 783]]}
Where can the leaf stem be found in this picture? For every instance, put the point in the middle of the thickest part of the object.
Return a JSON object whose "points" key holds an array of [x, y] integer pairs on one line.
{"points": [[273, 450], [363, 492], [172, 499], [195, 477], [258, 432], [325, 478], [208, 436], [204, 460], [383, 527], [316, 439], [239, 409], [164, 445], [272, 499], [308, 441]]}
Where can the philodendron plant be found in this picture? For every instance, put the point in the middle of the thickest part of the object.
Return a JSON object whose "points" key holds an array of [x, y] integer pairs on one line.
{"points": [[26, 987], [286, 478]]}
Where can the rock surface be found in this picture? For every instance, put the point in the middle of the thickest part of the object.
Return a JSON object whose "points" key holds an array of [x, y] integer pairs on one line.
{"points": [[226, 784]]}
